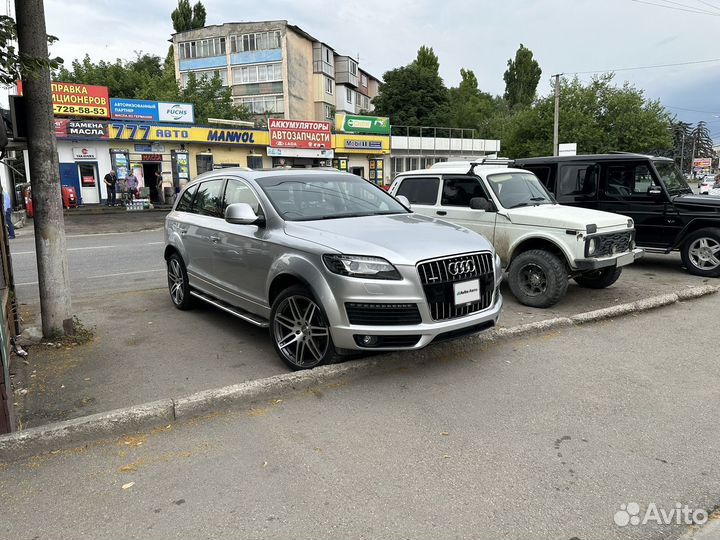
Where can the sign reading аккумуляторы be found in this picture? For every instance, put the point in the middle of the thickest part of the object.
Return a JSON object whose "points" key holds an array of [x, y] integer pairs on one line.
{"points": [[353, 123]]}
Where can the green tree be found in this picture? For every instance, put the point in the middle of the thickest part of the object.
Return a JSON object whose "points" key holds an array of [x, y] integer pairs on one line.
{"points": [[468, 106], [598, 116], [414, 95], [701, 141], [521, 78], [147, 77], [14, 64], [186, 18]]}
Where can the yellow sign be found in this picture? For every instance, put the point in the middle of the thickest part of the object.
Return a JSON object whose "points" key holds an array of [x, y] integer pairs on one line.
{"points": [[147, 132], [361, 144]]}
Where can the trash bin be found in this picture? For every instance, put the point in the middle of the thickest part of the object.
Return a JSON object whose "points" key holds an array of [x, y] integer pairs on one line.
{"points": [[69, 197]]}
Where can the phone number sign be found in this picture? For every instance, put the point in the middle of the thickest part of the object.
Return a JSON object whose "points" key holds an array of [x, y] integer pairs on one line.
{"points": [[80, 100]]}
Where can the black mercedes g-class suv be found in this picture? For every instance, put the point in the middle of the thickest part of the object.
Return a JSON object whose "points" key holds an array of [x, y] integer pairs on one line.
{"points": [[651, 190]]}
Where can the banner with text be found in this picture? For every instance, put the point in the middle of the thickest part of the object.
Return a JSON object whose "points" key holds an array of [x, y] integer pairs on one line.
{"points": [[352, 123], [300, 134]]}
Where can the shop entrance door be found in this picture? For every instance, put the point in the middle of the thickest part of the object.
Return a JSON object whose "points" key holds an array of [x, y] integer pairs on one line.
{"points": [[150, 181], [360, 171], [89, 182]]}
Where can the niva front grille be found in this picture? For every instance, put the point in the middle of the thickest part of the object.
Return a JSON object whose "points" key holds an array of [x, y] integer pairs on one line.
{"points": [[610, 244], [439, 276]]}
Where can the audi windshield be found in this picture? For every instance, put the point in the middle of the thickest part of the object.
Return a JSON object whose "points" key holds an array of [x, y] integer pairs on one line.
{"points": [[308, 198]]}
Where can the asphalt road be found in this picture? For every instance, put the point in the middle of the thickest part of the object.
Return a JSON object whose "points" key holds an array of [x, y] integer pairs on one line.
{"points": [[98, 263], [541, 437]]}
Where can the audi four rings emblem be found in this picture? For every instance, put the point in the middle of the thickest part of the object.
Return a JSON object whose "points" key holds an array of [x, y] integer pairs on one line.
{"points": [[461, 267]]}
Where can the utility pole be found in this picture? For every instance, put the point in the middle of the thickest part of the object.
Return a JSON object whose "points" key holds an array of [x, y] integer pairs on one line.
{"points": [[54, 283], [682, 152], [556, 124]]}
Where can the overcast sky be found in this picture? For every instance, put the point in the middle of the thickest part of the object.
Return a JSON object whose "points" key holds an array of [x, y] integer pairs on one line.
{"points": [[565, 35]]}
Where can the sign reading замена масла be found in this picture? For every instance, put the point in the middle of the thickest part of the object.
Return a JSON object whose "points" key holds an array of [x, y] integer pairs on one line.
{"points": [[151, 111]]}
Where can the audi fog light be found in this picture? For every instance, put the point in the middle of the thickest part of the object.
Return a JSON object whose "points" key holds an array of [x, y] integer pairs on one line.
{"points": [[361, 266]]}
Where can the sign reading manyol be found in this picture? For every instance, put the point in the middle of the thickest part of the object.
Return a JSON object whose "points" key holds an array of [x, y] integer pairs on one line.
{"points": [[151, 111], [142, 132], [299, 134]]}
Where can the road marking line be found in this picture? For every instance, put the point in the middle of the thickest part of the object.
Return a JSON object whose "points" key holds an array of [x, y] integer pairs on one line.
{"points": [[95, 247], [103, 276]]}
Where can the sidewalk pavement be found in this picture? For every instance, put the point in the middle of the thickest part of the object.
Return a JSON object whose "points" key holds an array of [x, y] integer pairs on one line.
{"points": [[104, 220], [144, 349]]}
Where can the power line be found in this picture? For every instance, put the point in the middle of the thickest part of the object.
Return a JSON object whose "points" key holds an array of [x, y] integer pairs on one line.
{"points": [[647, 67], [692, 10], [699, 9], [690, 110]]}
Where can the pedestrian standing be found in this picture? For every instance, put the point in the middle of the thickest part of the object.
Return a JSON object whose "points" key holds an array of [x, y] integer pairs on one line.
{"points": [[159, 184], [132, 184], [7, 207], [110, 182]]}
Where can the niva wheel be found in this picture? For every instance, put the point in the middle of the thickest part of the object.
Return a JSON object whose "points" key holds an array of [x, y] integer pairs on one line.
{"points": [[538, 278]]}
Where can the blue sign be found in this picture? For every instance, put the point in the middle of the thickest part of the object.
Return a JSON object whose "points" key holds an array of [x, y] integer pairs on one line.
{"points": [[133, 109]]}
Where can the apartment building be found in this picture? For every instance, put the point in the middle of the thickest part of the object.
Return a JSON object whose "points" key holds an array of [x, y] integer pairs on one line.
{"points": [[276, 69]]}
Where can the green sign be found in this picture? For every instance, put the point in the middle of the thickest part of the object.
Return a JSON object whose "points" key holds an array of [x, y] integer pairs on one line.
{"points": [[352, 123]]}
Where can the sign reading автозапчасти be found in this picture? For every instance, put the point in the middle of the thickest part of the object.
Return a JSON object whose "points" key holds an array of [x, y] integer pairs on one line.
{"points": [[299, 134]]}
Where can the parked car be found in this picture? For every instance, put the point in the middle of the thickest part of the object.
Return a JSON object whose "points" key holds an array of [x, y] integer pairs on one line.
{"points": [[706, 184], [328, 261], [540, 242], [651, 190]]}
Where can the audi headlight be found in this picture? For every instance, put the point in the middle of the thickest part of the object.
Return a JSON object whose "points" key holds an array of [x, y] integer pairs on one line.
{"points": [[361, 267], [592, 246]]}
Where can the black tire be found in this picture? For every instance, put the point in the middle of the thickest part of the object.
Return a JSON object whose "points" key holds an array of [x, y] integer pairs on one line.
{"points": [[299, 330], [178, 285], [599, 279], [538, 278], [701, 253]]}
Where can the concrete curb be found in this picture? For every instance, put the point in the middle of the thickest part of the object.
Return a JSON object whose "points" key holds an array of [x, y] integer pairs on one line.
{"points": [[84, 429], [121, 421]]}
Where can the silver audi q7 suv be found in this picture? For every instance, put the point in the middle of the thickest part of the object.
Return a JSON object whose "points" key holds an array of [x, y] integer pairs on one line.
{"points": [[328, 261]]}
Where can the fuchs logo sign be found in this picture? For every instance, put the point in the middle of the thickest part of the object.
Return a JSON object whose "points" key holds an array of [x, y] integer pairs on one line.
{"points": [[176, 112]]}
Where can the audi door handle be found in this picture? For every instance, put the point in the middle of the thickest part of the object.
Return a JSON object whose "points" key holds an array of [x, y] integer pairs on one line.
{"points": [[441, 213]]}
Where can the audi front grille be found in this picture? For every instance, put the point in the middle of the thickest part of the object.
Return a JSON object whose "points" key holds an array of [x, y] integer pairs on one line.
{"points": [[439, 275]]}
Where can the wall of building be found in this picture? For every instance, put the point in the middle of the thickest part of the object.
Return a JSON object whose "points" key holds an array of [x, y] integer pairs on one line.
{"points": [[226, 156], [298, 54]]}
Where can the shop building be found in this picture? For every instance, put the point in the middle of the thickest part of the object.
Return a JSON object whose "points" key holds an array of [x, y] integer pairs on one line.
{"points": [[275, 69], [411, 153]]}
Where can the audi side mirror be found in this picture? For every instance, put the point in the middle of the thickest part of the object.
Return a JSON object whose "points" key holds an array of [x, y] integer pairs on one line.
{"points": [[242, 214], [480, 203]]}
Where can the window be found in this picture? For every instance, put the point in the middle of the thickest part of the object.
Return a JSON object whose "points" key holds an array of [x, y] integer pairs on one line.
{"points": [[259, 41], [202, 48], [459, 190], [628, 180], [363, 80], [329, 85], [577, 181], [185, 202], [263, 104], [238, 192], [349, 94], [257, 73], [255, 162], [327, 56], [328, 112], [422, 190], [208, 201], [353, 68], [544, 174]]}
